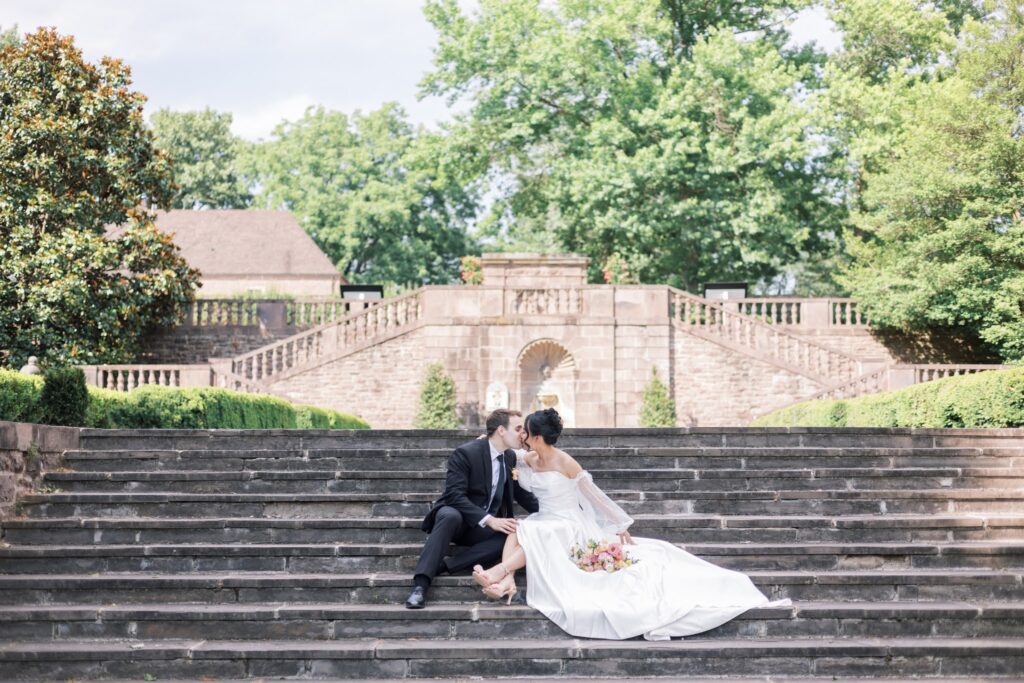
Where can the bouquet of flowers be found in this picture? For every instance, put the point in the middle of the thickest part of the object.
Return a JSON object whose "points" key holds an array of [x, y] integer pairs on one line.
{"points": [[600, 556]]}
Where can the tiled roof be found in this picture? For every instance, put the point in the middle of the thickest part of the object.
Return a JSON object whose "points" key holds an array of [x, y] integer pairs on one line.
{"points": [[245, 242]]}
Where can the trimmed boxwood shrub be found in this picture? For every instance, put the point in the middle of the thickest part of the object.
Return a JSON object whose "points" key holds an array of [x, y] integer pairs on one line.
{"points": [[993, 398], [19, 396], [64, 399], [311, 417], [658, 409], [437, 400], [169, 408]]}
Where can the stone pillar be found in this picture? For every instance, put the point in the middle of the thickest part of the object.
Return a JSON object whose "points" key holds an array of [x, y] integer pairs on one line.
{"points": [[901, 376], [816, 314], [272, 314]]}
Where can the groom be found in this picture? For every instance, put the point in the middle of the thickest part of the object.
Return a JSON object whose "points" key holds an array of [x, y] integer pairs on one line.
{"points": [[475, 509]]}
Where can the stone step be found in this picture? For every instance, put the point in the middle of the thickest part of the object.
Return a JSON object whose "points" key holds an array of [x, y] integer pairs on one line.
{"points": [[877, 585], [420, 481], [335, 557], [674, 528], [827, 502], [486, 620], [383, 658], [425, 459], [95, 439], [591, 679]]}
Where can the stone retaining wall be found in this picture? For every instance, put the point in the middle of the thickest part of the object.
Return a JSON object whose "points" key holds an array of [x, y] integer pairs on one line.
{"points": [[26, 452]]}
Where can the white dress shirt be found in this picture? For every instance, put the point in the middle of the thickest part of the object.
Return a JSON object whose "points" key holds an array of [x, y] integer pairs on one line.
{"points": [[496, 463]]}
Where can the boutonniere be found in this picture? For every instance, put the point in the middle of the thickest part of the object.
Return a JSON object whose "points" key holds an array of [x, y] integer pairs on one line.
{"points": [[515, 474]]}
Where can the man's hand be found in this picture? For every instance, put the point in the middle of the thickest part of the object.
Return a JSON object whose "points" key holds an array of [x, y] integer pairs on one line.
{"points": [[505, 525]]}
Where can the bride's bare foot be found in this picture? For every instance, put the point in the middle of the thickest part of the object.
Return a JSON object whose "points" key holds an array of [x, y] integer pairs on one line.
{"points": [[490, 576]]}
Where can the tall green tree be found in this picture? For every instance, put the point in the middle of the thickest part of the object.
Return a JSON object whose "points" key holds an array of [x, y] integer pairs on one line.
{"points": [[942, 235], [671, 133], [76, 157], [384, 201], [9, 36], [204, 154]]}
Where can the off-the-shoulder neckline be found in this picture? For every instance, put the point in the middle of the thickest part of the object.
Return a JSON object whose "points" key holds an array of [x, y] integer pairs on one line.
{"points": [[573, 478]]}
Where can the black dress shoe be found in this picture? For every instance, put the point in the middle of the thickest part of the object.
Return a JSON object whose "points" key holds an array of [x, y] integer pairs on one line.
{"points": [[417, 599]]}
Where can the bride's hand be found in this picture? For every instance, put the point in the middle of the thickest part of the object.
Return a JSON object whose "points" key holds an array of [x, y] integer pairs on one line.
{"points": [[626, 539]]}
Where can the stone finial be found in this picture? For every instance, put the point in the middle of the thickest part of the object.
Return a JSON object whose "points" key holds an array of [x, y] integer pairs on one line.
{"points": [[30, 368]]}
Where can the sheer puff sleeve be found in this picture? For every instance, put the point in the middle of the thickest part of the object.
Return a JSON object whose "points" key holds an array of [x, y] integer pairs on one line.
{"points": [[600, 508], [524, 473]]}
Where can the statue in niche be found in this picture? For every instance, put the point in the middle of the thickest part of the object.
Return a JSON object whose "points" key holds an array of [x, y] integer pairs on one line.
{"points": [[497, 397], [547, 393]]}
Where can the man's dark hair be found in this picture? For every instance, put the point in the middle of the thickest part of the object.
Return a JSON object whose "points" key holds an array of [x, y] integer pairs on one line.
{"points": [[499, 418]]}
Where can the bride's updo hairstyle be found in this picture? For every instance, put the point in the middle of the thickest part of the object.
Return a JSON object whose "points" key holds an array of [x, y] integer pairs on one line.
{"points": [[546, 424]]}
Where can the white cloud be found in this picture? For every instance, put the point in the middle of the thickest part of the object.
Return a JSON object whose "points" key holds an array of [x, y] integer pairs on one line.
{"points": [[258, 123], [267, 60], [813, 25]]}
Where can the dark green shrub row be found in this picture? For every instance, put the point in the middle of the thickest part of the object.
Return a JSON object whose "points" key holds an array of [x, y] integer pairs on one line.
{"points": [[165, 408], [986, 399]]}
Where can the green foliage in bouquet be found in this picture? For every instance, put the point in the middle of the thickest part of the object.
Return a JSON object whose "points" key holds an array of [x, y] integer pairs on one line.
{"points": [[437, 400], [658, 409]]}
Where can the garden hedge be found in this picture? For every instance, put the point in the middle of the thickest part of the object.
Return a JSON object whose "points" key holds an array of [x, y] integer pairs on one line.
{"points": [[994, 398], [173, 408]]}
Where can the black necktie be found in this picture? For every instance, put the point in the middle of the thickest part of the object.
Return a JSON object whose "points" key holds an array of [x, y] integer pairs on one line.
{"points": [[499, 487]]}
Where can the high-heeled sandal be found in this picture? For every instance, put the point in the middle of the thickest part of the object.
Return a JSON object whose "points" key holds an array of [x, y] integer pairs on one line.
{"points": [[480, 575], [495, 591]]}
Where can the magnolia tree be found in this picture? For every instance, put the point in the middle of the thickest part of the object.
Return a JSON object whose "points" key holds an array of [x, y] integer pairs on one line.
{"points": [[75, 159]]}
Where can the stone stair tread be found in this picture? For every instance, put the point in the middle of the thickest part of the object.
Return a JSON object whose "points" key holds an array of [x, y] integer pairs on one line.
{"points": [[591, 679], [439, 473], [236, 578], [498, 649], [729, 521], [627, 495], [478, 610], [322, 548]]}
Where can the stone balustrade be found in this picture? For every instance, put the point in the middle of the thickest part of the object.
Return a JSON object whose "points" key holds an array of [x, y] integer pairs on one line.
{"points": [[892, 377], [271, 314], [562, 301], [751, 334], [802, 313], [128, 377], [384, 317]]}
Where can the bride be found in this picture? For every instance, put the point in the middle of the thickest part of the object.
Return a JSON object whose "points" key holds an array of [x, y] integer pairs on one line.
{"points": [[665, 592]]}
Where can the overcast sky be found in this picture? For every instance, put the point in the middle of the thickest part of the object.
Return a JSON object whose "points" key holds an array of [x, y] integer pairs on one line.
{"points": [[267, 60]]}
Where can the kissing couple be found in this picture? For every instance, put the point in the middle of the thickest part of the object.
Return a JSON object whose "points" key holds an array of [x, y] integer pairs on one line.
{"points": [[584, 570]]}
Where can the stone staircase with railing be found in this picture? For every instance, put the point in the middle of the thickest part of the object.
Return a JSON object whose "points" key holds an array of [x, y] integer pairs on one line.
{"points": [[205, 555], [713, 321], [322, 343], [753, 337]]}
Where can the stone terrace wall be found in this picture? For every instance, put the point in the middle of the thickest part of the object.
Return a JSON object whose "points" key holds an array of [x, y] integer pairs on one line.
{"points": [[185, 345], [873, 346], [26, 451], [717, 387]]}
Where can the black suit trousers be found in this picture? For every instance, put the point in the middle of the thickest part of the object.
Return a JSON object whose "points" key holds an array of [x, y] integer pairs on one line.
{"points": [[484, 545]]}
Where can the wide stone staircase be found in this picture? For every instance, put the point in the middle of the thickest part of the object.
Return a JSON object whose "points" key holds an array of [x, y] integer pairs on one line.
{"points": [[206, 555]]}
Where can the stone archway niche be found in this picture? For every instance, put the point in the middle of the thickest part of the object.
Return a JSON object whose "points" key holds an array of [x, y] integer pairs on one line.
{"points": [[547, 379]]}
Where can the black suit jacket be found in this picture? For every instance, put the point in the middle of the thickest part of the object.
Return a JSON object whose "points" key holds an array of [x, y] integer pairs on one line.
{"points": [[467, 486]]}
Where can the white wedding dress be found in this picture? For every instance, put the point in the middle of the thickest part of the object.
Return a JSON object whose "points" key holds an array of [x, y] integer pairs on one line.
{"points": [[668, 592]]}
